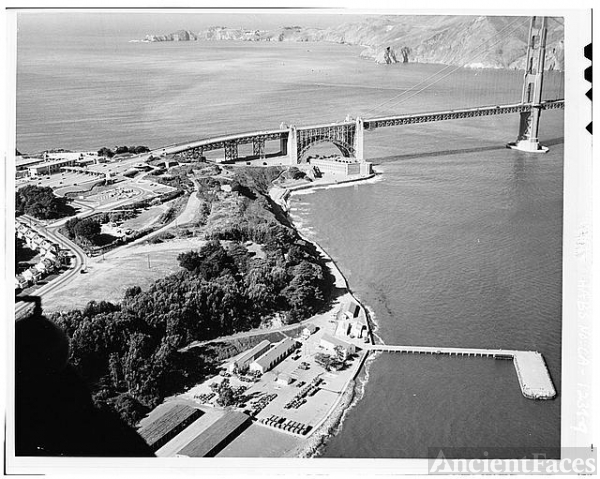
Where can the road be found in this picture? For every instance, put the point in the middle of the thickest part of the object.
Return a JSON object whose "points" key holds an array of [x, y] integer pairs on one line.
{"points": [[79, 261], [50, 230], [186, 216], [256, 332]]}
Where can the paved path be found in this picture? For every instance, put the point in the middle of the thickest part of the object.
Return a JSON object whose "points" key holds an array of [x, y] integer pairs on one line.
{"points": [[186, 216], [244, 334]]}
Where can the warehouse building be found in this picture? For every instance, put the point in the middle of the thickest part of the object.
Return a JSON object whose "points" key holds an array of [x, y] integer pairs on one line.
{"points": [[274, 356], [242, 362], [216, 436], [174, 419]]}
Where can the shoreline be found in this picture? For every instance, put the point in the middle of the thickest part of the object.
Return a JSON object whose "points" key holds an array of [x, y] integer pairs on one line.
{"points": [[355, 387]]}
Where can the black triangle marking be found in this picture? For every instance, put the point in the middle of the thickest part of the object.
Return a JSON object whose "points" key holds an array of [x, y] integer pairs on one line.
{"points": [[587, 51]]}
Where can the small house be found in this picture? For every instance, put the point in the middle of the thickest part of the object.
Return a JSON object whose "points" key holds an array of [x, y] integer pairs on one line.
{"points": [[308, 330]]}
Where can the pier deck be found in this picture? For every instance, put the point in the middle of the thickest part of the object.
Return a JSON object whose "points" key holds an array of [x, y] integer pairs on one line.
{"points": [[534, 378]]}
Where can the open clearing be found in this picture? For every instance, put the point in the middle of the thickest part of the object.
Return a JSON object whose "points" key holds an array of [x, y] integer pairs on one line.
{"points": [[108, 279]]}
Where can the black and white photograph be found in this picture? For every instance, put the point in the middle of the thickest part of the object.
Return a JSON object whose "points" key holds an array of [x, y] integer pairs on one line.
{"points": [[309, 235]]}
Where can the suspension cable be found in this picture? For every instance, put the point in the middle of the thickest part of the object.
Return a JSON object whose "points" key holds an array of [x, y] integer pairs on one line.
{"points": [[447, 67]]}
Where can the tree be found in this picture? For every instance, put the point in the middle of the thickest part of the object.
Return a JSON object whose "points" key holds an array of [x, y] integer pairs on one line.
{"points": [[341, 353], [132, 291], [129, 408], [106, 152], [87, 229], [40, 202], [211, 261]]}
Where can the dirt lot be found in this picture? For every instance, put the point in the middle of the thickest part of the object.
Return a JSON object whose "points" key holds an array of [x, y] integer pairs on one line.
{"points": [[108, 279]]}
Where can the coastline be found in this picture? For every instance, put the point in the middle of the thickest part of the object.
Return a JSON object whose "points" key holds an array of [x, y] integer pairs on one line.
{"points": [[354, 388]]}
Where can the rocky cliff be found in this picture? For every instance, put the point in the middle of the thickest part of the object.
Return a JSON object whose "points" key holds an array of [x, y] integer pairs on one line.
{"points": [[470, 41], [178, 36]]}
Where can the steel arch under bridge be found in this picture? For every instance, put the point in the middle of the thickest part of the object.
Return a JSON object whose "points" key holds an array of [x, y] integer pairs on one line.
{"points": [[342, 135]]}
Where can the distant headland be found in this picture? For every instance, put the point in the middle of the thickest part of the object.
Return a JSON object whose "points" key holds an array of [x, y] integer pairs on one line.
{"points": [[469, 41]]}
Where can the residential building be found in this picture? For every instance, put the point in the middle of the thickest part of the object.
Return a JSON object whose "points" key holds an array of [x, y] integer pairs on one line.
{"points": [[308, 330], [21, 282], [329, 343]]}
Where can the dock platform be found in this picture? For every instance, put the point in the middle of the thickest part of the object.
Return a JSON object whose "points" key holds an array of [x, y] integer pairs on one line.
{"points": [[534, 377]]}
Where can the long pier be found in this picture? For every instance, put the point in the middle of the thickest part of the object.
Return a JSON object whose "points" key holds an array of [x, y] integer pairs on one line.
{"points": [[534, 377]]}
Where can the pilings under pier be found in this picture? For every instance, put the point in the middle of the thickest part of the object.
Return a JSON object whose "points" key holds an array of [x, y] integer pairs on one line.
{"points": [[534, 377]]}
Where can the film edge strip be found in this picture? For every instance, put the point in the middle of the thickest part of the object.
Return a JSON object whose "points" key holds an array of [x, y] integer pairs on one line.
{"points": [[587, 74]]}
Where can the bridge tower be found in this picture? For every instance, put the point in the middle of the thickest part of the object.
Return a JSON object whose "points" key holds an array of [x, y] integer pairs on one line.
{"points": [[292, 145], [532, 89], [359, 143]]}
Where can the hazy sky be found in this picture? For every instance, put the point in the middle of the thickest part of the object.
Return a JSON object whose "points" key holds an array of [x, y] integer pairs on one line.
{"points": [[141, 23]]}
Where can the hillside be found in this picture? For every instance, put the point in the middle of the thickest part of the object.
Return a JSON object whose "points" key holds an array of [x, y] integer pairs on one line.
{"points": [[470, 41]]}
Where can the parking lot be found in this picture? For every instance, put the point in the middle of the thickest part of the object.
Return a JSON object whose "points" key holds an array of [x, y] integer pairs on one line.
{"points": [[270, 397]]}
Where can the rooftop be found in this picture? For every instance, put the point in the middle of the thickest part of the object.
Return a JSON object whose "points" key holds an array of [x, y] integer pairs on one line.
{"points": [[336, 341], [252, 352], [275, 351], [168, 420], [23, 162], [60, 161], [215, 435]]}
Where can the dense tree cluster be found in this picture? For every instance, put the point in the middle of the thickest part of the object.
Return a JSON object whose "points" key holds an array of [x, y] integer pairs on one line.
{"points": [[40, 202], [83, 230], [119, 150], [130, 353]]}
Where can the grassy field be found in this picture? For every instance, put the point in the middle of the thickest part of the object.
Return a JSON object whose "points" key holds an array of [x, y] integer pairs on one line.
{"points": [[146, 218], [108, 279]]}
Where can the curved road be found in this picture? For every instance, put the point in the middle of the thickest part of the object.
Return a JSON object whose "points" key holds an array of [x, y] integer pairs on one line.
{"points": [[187, 215], [80, 262]]}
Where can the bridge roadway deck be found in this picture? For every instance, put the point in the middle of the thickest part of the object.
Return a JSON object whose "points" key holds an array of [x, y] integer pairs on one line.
{"points": [[457, 114], [534, 377], [369, 123]]}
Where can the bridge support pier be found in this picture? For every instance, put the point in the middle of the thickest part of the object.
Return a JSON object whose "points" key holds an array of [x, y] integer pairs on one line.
{"points": [[231, 151]]}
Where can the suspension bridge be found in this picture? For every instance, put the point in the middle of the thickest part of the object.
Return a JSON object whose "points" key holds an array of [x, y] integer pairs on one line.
{"points": [[348, 135]]}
